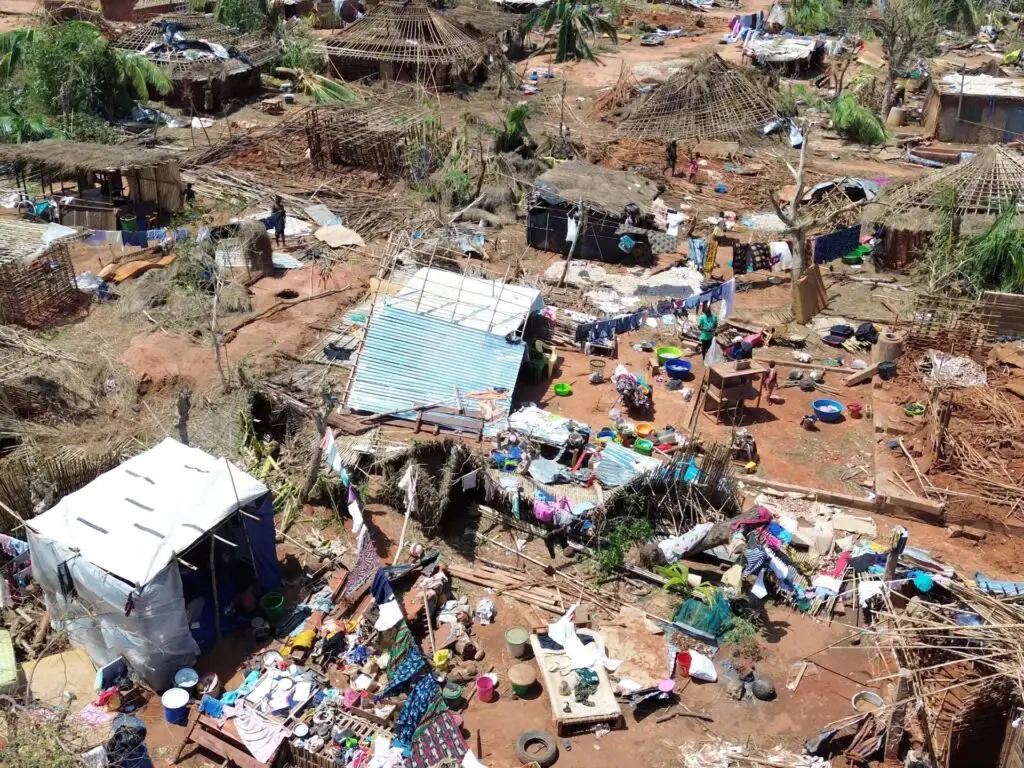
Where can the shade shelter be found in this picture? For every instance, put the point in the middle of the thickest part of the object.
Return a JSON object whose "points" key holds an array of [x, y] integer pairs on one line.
{"points": [[619, 214], [97, 184], [157, 545], [712, 100]]}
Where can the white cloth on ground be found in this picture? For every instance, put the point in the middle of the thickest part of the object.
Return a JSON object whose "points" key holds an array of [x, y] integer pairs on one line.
{"points": [[261, 738], [675, 547]]}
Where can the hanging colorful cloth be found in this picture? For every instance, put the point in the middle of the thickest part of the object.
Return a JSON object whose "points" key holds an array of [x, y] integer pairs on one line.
{"points": [[711, 259]]}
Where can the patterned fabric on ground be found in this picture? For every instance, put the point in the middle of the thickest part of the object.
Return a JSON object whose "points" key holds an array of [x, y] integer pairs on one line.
{"points": [[401, 675], [421, 699], [435, 740], [755, 560]]}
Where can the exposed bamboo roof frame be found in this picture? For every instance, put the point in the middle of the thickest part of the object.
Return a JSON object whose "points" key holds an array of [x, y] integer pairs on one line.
{"points": [[984, 186], [710, 100], [406, 33], [357, 119], [254, 49]]}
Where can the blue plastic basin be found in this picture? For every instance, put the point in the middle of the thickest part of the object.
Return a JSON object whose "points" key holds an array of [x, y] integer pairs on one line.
{"points": [[678, 369], [830, 416]]}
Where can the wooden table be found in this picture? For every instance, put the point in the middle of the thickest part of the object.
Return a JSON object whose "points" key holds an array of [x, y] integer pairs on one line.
{"points": [[728, 388]]}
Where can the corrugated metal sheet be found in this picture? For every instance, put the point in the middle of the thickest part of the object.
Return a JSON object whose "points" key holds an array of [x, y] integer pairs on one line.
{"points": [[409, 359]]}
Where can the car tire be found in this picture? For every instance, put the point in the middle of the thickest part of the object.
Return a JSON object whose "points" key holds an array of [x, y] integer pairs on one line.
{"points": [[545, 758]]}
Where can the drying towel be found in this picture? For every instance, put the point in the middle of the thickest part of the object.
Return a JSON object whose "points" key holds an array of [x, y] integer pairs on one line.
{"points": [[134, 238], [728, 299], [696, 249], [836, 245], [260, 737]]}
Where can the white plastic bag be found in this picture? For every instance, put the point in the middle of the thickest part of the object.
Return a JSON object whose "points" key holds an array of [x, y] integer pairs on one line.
{"points": [[701, 667]]}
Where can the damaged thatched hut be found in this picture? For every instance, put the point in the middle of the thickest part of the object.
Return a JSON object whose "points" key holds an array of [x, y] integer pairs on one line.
{"points": [[407, 41], [712, 100], [388, 136], [98, 184], [619, 220], [208, 64], [495, 29], [37, 281], [979, 189]]}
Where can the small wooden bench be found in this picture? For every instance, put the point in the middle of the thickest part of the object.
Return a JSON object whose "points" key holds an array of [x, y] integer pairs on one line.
{"points": [[204, 731]]}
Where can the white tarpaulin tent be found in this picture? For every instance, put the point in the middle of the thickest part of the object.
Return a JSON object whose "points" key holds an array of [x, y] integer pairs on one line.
{"points": [[107, 556]]}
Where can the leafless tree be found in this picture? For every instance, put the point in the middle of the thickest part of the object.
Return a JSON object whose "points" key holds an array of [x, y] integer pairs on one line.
{"points": [[906, 28], [798, 224]]}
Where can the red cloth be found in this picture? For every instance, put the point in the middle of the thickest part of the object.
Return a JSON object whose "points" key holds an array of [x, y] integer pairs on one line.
{"points": [[761, 517], [840, 566]]}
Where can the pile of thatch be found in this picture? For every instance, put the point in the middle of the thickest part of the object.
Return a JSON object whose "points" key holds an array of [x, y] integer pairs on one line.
{"points": [[437, 468], [711, 100]]}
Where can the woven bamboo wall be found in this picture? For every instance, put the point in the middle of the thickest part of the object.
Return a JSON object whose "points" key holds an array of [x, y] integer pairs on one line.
{"points": [[33, 293]]}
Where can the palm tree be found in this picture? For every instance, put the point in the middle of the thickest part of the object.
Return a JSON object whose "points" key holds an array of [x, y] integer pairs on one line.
{"points": [[16, 127], [575, 24], [13, 45], [139, 74], [962, 13]]}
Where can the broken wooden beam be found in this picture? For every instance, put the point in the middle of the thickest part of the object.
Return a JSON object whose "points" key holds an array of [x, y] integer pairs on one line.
{"points": [[861, 376]]}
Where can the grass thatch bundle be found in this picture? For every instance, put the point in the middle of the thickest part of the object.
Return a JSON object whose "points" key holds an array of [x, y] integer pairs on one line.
{"points": [[437, 468]]}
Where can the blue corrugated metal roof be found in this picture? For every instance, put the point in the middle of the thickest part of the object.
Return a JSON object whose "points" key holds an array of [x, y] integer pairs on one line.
{"points": [[409, 359]]}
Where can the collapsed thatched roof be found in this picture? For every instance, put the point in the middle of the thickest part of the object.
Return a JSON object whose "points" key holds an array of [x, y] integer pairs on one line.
{"points": [[984, 186], [406, 33], [74, 156], [178, 43], [710, 100], [598, 187], [483, 23]]}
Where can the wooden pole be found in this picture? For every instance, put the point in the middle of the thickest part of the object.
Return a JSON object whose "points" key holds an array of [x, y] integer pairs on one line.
{"points": [[213, 579], [430, 624]]}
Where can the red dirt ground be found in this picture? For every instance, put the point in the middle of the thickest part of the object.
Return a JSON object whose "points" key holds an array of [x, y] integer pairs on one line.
{"points": [[168, 356]]}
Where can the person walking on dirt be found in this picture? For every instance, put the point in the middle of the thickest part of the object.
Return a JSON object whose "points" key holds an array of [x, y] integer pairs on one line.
{"points": [[671, 155], [707, 323], [279, 219]]}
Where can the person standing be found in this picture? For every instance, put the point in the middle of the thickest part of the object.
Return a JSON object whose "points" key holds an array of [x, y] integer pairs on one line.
{"points": [[279, 219], [708, 324], [692, 169], [671, 156], [771, 383]]}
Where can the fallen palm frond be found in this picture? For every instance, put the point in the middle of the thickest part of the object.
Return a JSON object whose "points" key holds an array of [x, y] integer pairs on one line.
{"points": [[994, 260], [258, 459], [322, 89], [857, 123]]}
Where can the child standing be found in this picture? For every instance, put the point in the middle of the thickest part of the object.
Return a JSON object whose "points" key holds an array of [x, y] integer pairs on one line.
{"points": [[772, 382]]}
